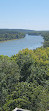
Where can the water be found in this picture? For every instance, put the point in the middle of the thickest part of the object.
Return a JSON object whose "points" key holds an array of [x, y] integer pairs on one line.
{"points": [[12, 47]]}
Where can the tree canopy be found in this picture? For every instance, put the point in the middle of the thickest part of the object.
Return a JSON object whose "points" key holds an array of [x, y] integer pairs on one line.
{"points": [[24, 80]]}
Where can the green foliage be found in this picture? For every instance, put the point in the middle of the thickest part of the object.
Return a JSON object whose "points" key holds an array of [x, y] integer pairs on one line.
{"points": [[6, 34], [24, 80]]}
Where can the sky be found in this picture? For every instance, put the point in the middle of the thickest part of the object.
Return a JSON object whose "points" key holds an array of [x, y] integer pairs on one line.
{"points": [[24, 14]]}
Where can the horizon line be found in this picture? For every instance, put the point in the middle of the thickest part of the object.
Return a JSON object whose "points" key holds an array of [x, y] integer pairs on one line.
{"points": [[20, 29]]}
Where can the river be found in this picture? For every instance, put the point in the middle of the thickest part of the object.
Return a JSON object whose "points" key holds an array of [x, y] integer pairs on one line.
{"points": [[12, 47]]}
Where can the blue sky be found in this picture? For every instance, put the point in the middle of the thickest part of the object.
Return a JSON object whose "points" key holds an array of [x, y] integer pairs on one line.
{"points": [[24, 14]]}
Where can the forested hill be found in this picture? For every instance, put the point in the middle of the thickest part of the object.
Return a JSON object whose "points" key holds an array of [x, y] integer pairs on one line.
{"points": [[16, 30], [8, 34], [24, 80]]}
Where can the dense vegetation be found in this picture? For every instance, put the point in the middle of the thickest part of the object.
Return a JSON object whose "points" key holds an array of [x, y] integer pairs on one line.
{"points": [[24, 80], [46, 38], [6, 34]]}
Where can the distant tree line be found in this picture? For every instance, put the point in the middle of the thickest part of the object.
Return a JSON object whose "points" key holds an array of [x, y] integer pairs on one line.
{"points": [[10, 34]]}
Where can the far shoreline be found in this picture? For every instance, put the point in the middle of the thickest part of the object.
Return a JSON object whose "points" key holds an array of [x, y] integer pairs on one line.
{"points": [[10, 40]]}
